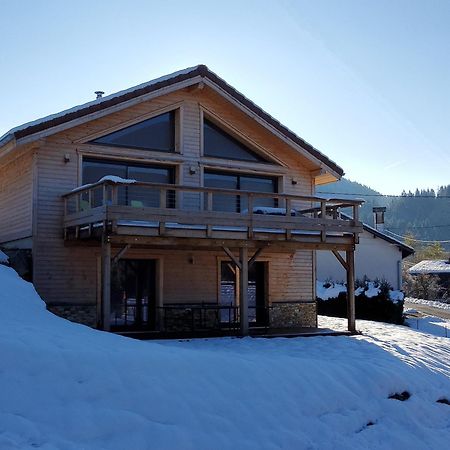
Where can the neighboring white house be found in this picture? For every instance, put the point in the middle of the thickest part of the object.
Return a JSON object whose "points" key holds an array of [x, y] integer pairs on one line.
{"points": [[377, 256]]}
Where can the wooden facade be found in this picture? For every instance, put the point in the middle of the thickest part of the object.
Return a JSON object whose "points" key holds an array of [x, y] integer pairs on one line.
{"points": [[78, 235]]}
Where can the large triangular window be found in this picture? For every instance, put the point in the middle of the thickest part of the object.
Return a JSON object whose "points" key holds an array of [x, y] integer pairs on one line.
{"points": [[220, 144], [157, 133]]}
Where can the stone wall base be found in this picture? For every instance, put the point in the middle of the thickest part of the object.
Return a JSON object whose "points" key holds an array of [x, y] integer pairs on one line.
{"points": [[84, 314], [293, 314], [188, 318]]}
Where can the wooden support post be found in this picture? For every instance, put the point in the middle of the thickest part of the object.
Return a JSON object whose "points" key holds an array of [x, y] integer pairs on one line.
{"points": [[104, 194], [323, 209], [163, 198], [209, 201], [243, 290], [106, 283], [250, 212], [351, 290], [114, 194], [288, 215]]}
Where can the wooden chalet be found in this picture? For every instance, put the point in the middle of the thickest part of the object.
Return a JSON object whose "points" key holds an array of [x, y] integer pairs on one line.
{"points": [[177, 206]]}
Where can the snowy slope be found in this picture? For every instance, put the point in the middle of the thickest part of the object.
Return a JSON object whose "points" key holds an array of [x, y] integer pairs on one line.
{"points": [[65, 386], [430, 324]]}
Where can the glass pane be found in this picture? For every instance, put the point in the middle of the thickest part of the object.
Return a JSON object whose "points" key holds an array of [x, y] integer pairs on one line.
{"points": [[94, 171], [223, 202], [139, 196], [258, 184], [227, 298], [157, 133], [220, 144]]}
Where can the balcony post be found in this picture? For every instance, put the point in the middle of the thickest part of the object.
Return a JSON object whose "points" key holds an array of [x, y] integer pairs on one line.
{"points": [[106, 283], [243, 290], [350, 256]]}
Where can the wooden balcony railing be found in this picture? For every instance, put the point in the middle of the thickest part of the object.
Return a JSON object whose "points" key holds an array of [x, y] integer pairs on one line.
{"points": [[151, 209]]}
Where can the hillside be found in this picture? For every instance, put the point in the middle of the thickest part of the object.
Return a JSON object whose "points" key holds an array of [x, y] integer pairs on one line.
{"points": [[425, 213], [66, 386]]}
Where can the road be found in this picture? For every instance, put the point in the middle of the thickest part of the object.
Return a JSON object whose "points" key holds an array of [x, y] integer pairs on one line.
{"points": [[429, 310]]}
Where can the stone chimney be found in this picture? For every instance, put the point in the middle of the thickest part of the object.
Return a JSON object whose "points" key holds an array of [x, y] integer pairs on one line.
{"points": [[378, 217]]}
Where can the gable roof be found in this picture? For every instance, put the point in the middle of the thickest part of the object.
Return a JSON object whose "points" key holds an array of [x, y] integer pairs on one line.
{"points": [[406, 249], [201, 71]]}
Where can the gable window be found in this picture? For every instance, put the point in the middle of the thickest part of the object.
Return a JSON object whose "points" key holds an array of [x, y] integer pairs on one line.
{"points": [[156, 133], [244, 182], [219, 144], [138, 196]]}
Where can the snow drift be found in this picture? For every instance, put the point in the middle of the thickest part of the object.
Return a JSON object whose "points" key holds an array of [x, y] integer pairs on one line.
{"points": [[65, 386]]}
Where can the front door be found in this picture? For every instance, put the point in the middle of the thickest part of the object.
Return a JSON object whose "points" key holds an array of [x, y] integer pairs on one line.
{"points": [[257, 310], [229, 298], [133, 302]]}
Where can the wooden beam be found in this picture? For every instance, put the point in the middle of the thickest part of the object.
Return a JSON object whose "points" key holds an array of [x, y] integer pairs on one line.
{"points": [[183, 243], [255, 255], [106, 283], [340, 259], [232, 257], [243, 291], [351, 291], [120, 253]]}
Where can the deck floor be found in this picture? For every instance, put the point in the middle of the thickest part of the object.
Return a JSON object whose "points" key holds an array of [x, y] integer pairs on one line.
{"points": [[255, 333]]}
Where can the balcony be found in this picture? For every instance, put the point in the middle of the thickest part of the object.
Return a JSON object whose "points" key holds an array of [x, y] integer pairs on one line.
{"points": [[130, 211]]}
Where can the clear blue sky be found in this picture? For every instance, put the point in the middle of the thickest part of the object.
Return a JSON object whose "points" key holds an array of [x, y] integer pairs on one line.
{"points": [[366, 82]]}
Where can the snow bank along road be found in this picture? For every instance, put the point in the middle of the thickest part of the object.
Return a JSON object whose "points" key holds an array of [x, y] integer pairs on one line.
{"points": [[427, 309], [65, 386]]}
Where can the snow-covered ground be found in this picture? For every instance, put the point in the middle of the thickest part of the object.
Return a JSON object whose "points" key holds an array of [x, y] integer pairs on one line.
{"points": [[430, 324], [65, 386], [3, 258]]}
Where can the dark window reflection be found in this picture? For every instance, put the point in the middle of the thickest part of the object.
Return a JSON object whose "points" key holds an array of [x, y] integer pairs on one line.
{"points": [[220, 144], [238, 203], [157, 133]]}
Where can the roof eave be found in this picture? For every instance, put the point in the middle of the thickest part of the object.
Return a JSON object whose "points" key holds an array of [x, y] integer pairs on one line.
{"points": [[85, 111]]}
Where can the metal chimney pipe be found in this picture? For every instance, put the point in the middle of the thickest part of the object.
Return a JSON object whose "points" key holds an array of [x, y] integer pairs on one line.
{"points": [[378, 217], [99, 94]]}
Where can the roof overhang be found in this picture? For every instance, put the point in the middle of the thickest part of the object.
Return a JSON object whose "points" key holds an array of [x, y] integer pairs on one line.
{"points": [[46, 126]]}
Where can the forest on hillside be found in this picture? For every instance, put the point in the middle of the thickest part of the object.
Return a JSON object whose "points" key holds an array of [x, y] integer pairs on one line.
{"points": [[424, 214]]}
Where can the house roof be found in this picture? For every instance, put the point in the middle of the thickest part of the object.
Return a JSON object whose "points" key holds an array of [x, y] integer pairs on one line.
{"points": [[430, 266], [406, 249], [201, 71]]}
